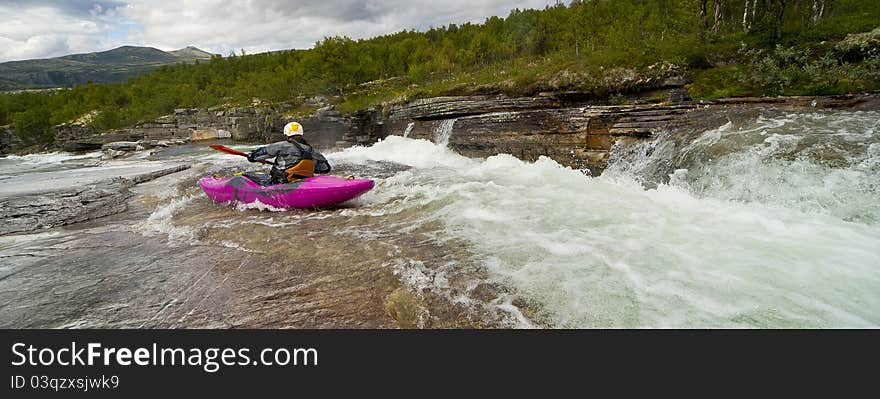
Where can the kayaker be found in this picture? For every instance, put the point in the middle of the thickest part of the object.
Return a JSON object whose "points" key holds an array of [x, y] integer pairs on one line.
{"points": [[294, 158]]}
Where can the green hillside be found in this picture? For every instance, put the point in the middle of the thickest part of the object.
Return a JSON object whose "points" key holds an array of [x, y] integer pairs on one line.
{"points": [[603, 48], [115, 65]]}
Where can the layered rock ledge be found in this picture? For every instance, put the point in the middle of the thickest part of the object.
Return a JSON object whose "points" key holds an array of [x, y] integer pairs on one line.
{"points": [[567, 127], [448, 107], [36, 210], [326, 126], [580, 137]]}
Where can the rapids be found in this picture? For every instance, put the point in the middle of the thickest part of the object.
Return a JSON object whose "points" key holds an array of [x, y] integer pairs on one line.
{"points": [[767, 222]]}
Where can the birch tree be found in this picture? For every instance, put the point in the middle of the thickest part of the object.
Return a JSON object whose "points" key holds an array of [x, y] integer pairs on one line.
{"points": [[749, 15], [719, 15], [703, 14], [818, 10]]}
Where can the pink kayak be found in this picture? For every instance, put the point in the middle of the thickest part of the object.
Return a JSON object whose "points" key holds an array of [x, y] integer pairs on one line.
{"points": [[314, 192]]}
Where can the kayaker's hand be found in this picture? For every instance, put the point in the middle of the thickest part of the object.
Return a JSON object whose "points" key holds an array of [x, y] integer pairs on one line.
{"points": [[250, 158]]}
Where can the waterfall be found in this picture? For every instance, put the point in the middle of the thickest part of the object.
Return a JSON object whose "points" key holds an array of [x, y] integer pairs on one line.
{"points": [[443, 131], [409, 128]]}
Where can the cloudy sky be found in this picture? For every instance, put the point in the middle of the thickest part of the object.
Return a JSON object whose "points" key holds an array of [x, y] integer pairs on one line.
{"points": [[45, 28]]}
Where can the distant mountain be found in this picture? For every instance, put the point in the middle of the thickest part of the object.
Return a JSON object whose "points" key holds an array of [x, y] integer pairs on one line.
{"points": [[114, 65], [192, 52]]}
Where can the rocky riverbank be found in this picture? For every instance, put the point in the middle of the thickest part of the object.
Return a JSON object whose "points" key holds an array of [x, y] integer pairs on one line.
{"points": [[580, 136], [328, 127], [26, 206], [563, 126]]}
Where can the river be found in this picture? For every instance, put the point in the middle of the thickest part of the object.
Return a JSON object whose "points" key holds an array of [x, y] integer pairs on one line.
{"points": [[766, 222]]}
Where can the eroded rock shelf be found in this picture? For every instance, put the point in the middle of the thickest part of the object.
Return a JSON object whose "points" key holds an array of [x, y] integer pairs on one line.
{"points": [[580, 137]]}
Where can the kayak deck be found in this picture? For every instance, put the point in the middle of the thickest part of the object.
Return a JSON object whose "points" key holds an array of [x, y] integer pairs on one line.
{"points": [[313, 192]]}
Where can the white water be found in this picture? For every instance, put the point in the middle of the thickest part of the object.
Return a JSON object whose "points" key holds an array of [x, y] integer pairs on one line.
{"points": [[51, 157], [443, 132], [739, 233], [816, 163], [409, 128]]}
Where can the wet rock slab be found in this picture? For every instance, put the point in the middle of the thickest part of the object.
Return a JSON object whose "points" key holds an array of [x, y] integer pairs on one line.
{"points": [[101, 274], [28, 207]]}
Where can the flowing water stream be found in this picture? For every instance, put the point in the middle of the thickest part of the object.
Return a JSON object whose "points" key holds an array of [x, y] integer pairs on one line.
{"points": [[767, 222], [443, 132]]}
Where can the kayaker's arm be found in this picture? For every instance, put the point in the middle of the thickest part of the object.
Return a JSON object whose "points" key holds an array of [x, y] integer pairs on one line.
{"points": [[260, 154], [321, 164]]}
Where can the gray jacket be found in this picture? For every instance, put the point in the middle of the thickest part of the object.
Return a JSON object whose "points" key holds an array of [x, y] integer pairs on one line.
{"points": [[288, 153]]}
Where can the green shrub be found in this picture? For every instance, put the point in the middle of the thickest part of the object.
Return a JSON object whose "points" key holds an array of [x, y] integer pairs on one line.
{"points": [[859, 46], [33, 127], [801, 71], [717, 83]]}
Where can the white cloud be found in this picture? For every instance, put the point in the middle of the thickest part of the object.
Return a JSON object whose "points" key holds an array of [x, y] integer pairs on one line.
{"points": [[44, 28], [40, 30]]}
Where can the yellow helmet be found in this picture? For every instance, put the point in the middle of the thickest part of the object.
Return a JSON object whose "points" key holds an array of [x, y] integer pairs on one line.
{"points": [[293, 129]]}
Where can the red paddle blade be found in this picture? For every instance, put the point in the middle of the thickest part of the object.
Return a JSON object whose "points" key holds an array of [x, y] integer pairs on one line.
{"points": [[218, 147]]}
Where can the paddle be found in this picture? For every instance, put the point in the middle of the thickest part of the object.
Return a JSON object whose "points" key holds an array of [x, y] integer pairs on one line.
{"points": [[230, 151]]}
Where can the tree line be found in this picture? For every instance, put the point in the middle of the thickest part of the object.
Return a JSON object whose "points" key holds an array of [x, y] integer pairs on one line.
{"points": [[598, 32]]}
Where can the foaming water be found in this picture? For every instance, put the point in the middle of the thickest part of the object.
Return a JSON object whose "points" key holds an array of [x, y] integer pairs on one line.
{"points": [[617, 252], [52, 157], [12, 167], [160, 221], [825, 163]]}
